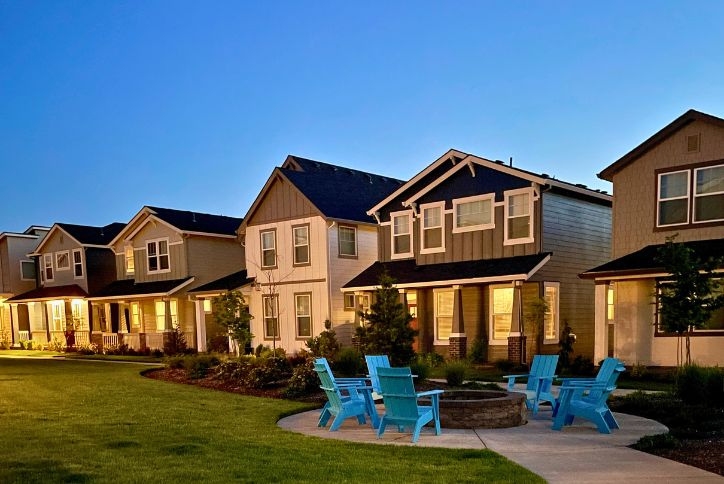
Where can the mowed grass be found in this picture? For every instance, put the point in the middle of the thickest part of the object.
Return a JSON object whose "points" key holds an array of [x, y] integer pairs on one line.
{"points": [[88, 422]]}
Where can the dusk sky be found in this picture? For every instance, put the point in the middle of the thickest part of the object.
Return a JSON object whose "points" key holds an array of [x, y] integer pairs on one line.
{"points": [[108, 106]]}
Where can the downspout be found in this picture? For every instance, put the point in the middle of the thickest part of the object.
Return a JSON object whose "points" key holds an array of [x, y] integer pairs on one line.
{"points": [[329, 273]]}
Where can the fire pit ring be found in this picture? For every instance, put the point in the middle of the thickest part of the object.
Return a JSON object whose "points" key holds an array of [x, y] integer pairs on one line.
{"points": [[487, 409]]}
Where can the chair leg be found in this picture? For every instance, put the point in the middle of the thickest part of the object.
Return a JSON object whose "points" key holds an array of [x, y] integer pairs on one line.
{"points": [[381, 428], [324, 417], [361, 419], [610, 420], [337, 422], [416, 432]]}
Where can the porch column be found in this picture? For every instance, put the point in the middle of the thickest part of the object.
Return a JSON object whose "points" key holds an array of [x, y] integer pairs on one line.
{"points": [[14, 324], [516, 338], [600, 331], [458, 340], [200, 324]]}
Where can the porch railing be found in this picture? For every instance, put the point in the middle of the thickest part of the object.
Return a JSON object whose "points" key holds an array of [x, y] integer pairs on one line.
{"points": [[110, 339], [154, 341], [133, 340], [24, 335]]}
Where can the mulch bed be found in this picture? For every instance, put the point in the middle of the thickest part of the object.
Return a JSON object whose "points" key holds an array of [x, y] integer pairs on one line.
{"points": [[705, 454]]}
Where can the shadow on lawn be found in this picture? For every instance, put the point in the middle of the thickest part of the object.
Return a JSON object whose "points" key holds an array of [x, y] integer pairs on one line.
{"points": [[41, 471]]}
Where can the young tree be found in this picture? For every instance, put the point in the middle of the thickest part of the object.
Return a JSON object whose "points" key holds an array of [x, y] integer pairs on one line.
{"points": [[231, 312], [688, 300], [388, 329]]}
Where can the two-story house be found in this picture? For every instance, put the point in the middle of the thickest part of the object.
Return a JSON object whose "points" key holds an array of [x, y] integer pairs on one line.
{"points": [[671, 184], [159, 256], [17, 275], [73, 261], [306, 234], [472, 244]]}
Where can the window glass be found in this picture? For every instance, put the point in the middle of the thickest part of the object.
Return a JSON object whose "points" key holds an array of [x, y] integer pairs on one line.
{"points": [[674, 198], [502, 311], [709, 197], [135, 315], [347, 241], [61, 261], [130, 260], [77, 263], [443, 314], [268, 249], [401, 241], [304, 315], [27, 270], [550, 319], [48, 267], [432, 227], [473, 214], [271, 322], [160, 315], [519, 216], [301, 245]]}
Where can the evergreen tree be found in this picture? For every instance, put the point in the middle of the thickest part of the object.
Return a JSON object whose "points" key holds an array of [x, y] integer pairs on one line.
{"points": [[231, 312]]}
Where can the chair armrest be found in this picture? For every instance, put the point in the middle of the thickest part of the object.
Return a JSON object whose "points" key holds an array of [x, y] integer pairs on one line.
{"points": [[429, 393], [516, 376]]}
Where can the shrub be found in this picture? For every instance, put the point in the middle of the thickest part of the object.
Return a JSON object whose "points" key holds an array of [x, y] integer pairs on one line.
{"points": [[299, 358], [267, 352], [218, 344], [57, 345], [421, 369], [349, 363], [700, 385], [455, 373], [304, 380], [176, 342], [175, 362], [5, 340], [638, 371], [266, 372], [26, 345], [504, 365], [433, 360], [197, 366], [86, 348], [325, 345], [479, 351], [660, 441], [156, 353], [234, 370], [582, 366]]}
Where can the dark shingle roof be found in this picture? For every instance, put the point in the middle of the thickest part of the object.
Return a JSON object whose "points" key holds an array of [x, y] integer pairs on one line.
{"points": [[198, 222], [643, 261], [339, 192], [86, 234], [406, 272], [129, 287], [226, 283], [71, 290]]}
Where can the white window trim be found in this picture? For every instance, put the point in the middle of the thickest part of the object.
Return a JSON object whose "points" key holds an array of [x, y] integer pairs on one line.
{"points": [[126, 259], [687, 197], [411, 233], [25, 261], [695, 196], [295, 245], [48, 258], [82, 269], [491, 304], [275, 314], [297, 315], [61, 315], [67, 257], [347, 307], [339, 240], [437, 341], [507, 195], [262, 249], [158, 255], [557, 315], [140, 314], [475, 198], [432, 250]]}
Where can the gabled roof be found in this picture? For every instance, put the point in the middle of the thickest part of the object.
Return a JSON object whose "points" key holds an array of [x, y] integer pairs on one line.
{"points": [[53, 292], [227, 283], [643, 262], [337, 192], [687, 118], [129, 287], [84, 235], [29, 233], [407, 273]]}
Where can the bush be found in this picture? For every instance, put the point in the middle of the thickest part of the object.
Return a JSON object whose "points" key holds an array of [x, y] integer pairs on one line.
{"points": [[86, 348], [218, 344], [700, 385], [455, 373], [433, 360], [234, 370], [57, 345], [304, 380], [176, 342], [175, 362], [479, 351], [421, 369], [156, 353], [266, 372], [660, 441], [325, 345], [504, 365], [349, 363], [299, 358], [582, 366], [197, 366]]}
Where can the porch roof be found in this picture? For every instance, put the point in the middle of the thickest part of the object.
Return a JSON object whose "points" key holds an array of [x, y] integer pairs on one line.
{"points": [[407, 273], [129, 287], [48, 293], [642, 263], [227, 283]]}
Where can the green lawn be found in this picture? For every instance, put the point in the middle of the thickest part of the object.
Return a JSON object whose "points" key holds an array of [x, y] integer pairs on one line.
{"points": [[29, 353], [81, 421]]}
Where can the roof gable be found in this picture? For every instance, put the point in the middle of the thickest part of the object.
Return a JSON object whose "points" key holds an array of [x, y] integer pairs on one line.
{"points": [[83, 235], [660, 136]]}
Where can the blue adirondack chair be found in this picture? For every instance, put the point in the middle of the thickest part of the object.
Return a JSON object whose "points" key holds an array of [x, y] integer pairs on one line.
{"points": [[540, 380], [354, 404], [588, 401], [374, 362], [590, 388], [401, 406]]}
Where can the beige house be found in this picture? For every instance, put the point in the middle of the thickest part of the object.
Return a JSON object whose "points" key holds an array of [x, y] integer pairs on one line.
{"points": [[159, 256], [306, 234], [671, 184], [18, 274], [73, 261]]}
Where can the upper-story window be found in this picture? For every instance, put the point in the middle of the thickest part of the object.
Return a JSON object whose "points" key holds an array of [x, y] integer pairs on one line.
{"points": [[473, 213], [27, 270], [673, 203], [432, 227], [48, 266], [268, 248], [77, 263], [301, 244], [518, 217], [709, 194], [158, 258], [62, 261], [130, 260], [347, 241], [401, 234]]}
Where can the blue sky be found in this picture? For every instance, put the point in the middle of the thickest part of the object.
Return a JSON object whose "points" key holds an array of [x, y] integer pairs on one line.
{"points": [[107, 106]]}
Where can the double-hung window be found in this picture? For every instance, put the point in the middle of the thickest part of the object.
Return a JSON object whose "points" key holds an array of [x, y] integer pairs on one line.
{"points": [[301, 244], [129, 259], [27, 270], [158, 258], [161, 314], [268, 248], [401, 234], [135, 315], [673, 198], [444, 301], [77, 263], [501, 313], [709, 194], [48, 266], [347, 241], [271, 317], [473, 213], [432, 227], [550, 318], [62, 261], [57, 309], [303, 304], [518, 216]]}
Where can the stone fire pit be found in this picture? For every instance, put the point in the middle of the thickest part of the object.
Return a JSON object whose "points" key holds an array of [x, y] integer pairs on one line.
{"points": [[487, 409]]}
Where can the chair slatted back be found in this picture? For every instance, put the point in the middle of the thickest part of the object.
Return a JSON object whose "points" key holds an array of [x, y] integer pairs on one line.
{"points": [[374, 362], [398, 392]]}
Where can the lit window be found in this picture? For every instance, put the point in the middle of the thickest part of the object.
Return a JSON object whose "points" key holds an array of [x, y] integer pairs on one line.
{"points": [[301, 245], [158, 259], [271, 320], [673, 203], [303, 303], [77, 263], [349, 300], [347, 241], [401, 234], [207, 305], [609, 303], [268, 249], [135, 315], [48, 267], [27, 270], [444, 300], [518, 217], [473, 213], [433, 228], [501, 312], [550, 319], [76, 306], [62, 262], [130, 259], [58, 315], [709, 194], [160, 315]]}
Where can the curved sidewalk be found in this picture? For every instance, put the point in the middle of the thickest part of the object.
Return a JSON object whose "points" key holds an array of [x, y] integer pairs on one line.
{"points": [[574, 455]]}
